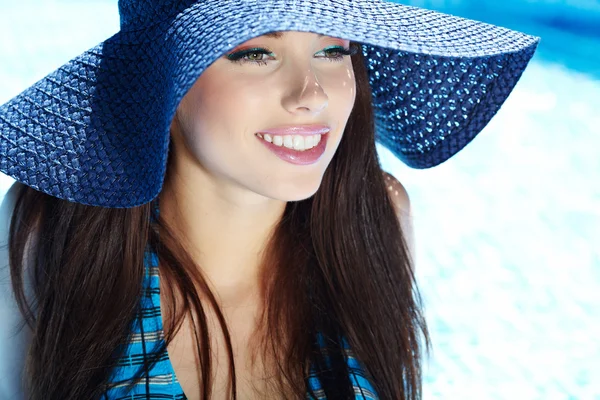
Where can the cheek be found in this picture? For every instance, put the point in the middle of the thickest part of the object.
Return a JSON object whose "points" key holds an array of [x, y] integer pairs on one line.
{"points": [[219, 111], [342, 92], [350, 87], [227, 101]]}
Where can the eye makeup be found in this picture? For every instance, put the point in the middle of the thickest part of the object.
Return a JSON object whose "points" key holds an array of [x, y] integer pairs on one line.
{"points": [[337, 54]]}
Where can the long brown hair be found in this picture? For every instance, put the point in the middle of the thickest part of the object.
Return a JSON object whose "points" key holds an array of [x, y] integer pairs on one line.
{"points": [[337, 265]]}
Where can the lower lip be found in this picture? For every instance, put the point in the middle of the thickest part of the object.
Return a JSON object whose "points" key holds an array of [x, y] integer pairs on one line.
{"points": [[297, 157]]}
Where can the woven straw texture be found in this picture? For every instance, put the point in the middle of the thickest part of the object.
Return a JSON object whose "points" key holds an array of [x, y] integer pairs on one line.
{"points": [[96, 130]]}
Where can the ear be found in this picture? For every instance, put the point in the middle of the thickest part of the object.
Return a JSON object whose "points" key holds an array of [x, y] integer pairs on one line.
{"points": [[401, 201]]}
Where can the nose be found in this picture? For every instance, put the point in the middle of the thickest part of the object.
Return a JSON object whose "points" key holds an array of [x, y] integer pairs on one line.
{"points": [[304, 94]]}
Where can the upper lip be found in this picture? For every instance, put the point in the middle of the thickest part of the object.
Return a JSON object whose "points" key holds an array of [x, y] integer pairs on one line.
{"points": [[313, 129]]}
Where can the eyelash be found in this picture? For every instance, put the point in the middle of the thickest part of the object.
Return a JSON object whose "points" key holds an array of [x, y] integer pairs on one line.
{"points": [[239, 56]]}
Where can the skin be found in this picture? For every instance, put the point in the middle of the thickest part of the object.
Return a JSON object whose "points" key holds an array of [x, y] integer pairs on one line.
{"points": [[227, 190]]}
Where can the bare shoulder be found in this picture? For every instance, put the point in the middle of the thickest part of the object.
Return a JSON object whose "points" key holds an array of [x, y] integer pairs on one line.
{"points": [[399, 197], [398, 194], [15, 335]]}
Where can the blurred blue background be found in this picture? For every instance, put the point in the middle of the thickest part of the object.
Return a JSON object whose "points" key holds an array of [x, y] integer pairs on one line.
{"points": [[506, 232]]}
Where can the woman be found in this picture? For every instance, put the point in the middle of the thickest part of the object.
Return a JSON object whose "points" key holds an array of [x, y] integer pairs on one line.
{"points": [[210, 174]]}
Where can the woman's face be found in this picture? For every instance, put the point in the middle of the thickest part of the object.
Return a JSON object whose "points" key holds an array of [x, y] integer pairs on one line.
{"points": [[284, 81]]}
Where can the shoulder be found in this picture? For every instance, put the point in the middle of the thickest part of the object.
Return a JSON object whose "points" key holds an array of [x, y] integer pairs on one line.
{"points": [[15, 338], [8, 199], [401, 201], [7, 204], [398, 194]]}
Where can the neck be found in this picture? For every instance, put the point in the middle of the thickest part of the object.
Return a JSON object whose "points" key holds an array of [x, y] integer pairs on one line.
{"points": [[225, 228]]}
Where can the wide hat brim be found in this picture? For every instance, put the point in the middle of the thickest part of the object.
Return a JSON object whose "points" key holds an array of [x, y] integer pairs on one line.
{"points": [[96, 130]]}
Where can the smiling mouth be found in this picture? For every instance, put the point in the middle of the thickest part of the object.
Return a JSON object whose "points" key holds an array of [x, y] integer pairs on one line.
{"points": [[293, 142], [295, 154]]}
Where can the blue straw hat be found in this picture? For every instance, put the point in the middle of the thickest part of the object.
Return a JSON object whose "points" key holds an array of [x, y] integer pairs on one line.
{"points": [[96, 130]]}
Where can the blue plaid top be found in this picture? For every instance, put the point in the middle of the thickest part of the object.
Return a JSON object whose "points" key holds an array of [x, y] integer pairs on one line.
{"points": [[162, 383]]}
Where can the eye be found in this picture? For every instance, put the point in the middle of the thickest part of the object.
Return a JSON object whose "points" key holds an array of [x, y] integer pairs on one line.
{"points": [[255, 55], [339, 52], [240, 56]]}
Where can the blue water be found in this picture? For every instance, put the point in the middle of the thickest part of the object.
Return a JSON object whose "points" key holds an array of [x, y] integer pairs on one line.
{"points": [[506, 232]]}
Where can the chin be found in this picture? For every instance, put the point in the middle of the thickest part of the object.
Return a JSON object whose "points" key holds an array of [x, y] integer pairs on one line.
{"points": [[296, 193]]}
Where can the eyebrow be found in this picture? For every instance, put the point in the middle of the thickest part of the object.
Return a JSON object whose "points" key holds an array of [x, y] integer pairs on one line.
{"points": [[278, 35]]}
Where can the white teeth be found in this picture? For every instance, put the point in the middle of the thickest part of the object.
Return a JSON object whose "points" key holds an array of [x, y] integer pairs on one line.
{"points": [[296, 142], [308, 142]]}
